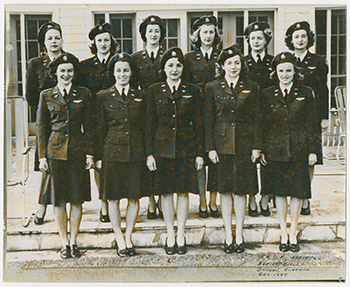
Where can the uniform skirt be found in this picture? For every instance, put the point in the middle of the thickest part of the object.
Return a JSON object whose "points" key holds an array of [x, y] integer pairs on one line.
{"points": [[123, 180], [175, 176], [67, 181], [212, 175], [236, 175], [286, 179]]}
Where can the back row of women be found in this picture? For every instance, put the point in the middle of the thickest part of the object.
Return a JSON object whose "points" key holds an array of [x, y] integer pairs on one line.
{"points": [[176, 114]]}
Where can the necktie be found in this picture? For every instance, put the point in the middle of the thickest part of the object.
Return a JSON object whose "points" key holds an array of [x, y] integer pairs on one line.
{"points": [[174, 90], [259, 58], [285, 92], [232, 87], [65, 93], [298, 60], [206, 57], [123, 94], [103, 62], [152, 56]]}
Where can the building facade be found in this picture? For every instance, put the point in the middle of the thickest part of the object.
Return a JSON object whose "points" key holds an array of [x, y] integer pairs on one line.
{"points": [[23, 21]]}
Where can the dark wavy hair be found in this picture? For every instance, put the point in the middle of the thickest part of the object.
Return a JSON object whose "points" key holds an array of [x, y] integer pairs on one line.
{"points": [[220, 63], [125, 58], [196, 39], [298, 75], [114, 46], [310, 39]]}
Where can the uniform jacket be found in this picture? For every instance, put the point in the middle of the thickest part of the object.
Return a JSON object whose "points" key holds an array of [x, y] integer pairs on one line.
{"points": [[148, 71], [315, 76], [174, 123], [95, 76], [288, 124], [260, 73], [197, 70], [120, 125], [38, 79], [64, 124], [231, 119]]}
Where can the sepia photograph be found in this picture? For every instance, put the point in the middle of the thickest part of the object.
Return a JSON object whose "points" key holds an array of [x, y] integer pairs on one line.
{"points": [[174, 142]]}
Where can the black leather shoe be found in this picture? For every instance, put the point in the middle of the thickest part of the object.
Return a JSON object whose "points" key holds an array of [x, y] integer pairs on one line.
{"points": [[104, 218], [214, 213], [120, 252], [229, 248], [306, 211], [170, 250], [284, 247], [239, 248], [131, 251], [252, 212], [38, 220], [182, 249], [203, 213], [265, 212], [65, 252], [75, 252], [294, 247], [152, 215]]}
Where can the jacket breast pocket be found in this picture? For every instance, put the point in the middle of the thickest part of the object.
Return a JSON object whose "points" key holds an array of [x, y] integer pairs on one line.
{"points": [[220, 131]]}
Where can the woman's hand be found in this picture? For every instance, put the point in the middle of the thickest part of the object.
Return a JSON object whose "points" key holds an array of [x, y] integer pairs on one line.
{"points": [[43, 165], [255, 155], [263, 160], [312, 159], [151, 163], [213, 155], [89, 163], [99, 164], [199, 163]]}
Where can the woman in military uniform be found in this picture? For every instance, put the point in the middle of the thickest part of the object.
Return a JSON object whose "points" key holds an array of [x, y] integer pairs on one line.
{"points": [[299, 38], [65, 148], [38, 79], [147, 62], [231, 137], [96, 77], [258, 62], [289, 144], [174, 144], [200, 69], [120, 148]]}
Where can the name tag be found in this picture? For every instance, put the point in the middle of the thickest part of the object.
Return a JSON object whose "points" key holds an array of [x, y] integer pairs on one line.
{"points": [[77, 101], [138, 100], [300, 99]]}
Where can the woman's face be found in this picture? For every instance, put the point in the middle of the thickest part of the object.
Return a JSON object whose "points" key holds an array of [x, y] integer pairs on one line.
{"points": [[173, 69], [285, 73], [207, 35], [232, 66], [153, 34], [103, 43], [257, 41], [300, 40], [65, 73], [122, 73], [53, 41]]}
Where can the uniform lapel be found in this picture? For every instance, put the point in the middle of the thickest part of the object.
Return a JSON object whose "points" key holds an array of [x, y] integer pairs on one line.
{"points": [[165, 90], [293, 94], [278, 95], [182, 90], [57, 96], [116, 95], [200, 58], [130, 95], [224, 87]]}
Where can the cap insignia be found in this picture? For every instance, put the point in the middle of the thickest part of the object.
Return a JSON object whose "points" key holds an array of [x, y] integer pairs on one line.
{"points": [[230, 52], [65, 58], [256, 26], [298, 25], [100, 28], [153, 20], [283, 56], [207, 20], [121, 56], [173, 54], [49, 26]]}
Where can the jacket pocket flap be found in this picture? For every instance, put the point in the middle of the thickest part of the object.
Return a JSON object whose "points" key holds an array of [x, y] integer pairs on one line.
{"points": [[220, 131]]}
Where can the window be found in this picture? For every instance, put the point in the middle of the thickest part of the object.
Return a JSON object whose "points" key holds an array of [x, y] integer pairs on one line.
{"points": [[172, 33], [31, 25], [332, 47]]}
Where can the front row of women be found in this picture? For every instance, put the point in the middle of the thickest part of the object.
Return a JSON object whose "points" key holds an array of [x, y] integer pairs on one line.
{"points": [[169, 127]]}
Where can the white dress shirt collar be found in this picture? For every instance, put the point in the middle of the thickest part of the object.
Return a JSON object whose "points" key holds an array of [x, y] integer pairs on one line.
{"points": [[255, 55], [62, 88], [229, 81], [208, 52], [288, 87], [120, 89], [155, 51]]}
